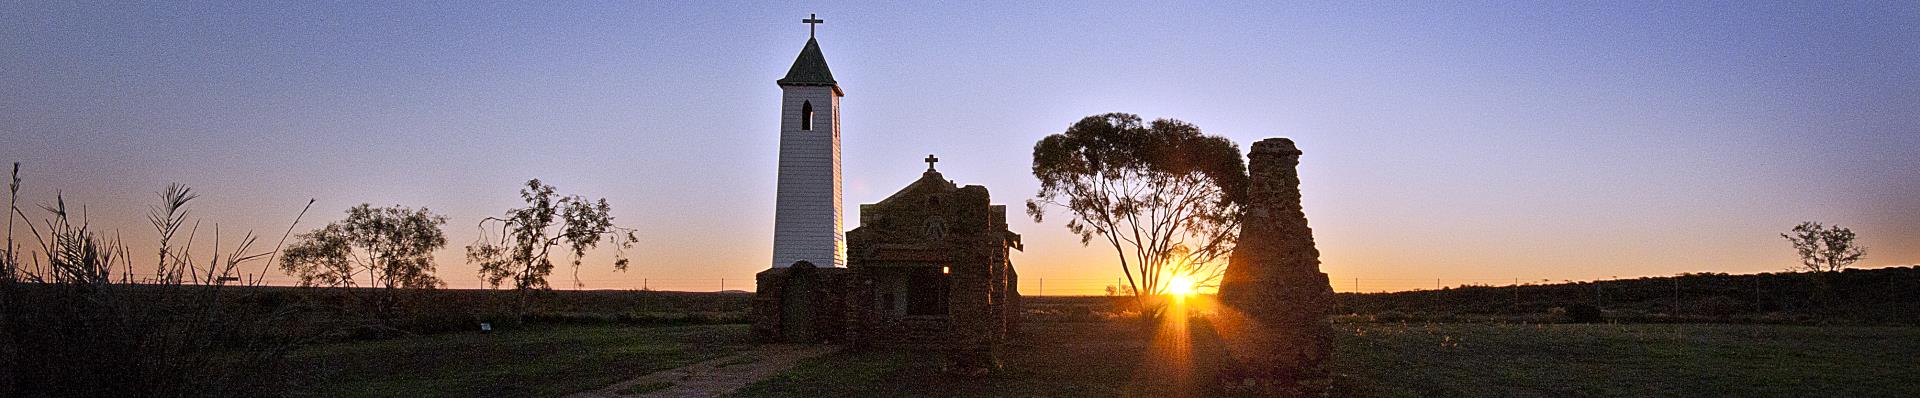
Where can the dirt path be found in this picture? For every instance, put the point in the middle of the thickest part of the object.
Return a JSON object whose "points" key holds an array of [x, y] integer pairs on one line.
{"points": [[714, 377]]}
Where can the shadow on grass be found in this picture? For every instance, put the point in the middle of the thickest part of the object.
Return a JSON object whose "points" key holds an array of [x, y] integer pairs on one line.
{"points": [[533, 361], [1051, 359]]}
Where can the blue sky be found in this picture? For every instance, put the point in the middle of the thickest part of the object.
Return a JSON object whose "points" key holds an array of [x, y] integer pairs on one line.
{"points": [[1468, 142]]}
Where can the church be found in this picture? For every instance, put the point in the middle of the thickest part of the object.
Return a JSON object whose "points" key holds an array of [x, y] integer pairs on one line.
{"points": [[928, 268]]}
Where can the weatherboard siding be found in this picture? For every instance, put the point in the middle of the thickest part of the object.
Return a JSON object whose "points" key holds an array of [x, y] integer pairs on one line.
{"points": [[807, 224]]}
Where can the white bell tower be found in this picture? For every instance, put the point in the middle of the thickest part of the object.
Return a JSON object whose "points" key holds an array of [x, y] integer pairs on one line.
{"points": [[806, 221]]}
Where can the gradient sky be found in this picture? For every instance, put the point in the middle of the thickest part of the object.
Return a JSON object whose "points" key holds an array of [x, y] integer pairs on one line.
{"points": [[1473, 144]]}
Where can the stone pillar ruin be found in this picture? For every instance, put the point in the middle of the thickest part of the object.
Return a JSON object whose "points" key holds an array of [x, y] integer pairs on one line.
{"points": [[976, 253], [1280, 337]]}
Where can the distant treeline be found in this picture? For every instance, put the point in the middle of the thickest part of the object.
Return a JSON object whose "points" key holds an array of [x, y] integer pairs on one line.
{"points": [[346, 313], [1853, 296]]}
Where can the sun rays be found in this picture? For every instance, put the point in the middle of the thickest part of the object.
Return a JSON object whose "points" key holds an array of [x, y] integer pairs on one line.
{"points": [[1180, 286]]}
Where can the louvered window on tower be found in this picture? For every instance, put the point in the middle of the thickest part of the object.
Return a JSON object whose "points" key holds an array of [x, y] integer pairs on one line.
{"points": [[806, 116]]}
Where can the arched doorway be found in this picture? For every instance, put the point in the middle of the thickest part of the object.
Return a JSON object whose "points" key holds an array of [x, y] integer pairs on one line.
{"points": [[797, 304]]}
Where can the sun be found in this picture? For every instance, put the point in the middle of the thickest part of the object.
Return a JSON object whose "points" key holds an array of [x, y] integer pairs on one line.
{"points": [[1180, 285]]}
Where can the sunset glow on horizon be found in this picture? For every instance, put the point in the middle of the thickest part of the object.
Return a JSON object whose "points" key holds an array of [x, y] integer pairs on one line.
{"points": [[1443, 146]]}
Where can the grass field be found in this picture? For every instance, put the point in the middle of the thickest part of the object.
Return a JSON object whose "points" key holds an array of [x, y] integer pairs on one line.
{"points": [[534, 361], [1391, 360], [1628, 360], [1124, 358]]}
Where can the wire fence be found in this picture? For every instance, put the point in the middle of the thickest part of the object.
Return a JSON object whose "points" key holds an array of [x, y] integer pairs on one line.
{"points": [[1028, 286], [1033, 286], [1099, 286]]}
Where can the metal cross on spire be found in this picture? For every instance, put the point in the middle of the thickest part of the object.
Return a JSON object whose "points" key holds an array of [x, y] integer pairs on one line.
{"points": [[812, 21], [930, 161]]}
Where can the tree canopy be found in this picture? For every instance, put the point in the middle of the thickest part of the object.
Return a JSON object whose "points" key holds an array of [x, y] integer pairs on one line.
{"points": [[1165, 196], [1824, 249], [390, 246], [526, 237]]}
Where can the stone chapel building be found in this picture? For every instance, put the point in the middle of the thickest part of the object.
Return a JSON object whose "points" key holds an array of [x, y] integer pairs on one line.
{"points": [[928, 268]]}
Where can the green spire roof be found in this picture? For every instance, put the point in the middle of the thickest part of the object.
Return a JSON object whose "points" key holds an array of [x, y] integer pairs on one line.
{"points": [[810, 69]]}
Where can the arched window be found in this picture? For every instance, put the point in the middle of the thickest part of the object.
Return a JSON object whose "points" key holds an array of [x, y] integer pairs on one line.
{"points": [[935, 228], [806, 115]]}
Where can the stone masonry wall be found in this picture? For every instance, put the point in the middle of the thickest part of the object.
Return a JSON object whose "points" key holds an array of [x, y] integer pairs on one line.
{"points": [[975, 340], [1274, 282], [826, 298]]}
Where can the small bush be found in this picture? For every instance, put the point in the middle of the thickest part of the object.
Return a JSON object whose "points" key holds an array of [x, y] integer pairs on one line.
{"points": [[1392, 316], [1579, 313], [1720, 306]]}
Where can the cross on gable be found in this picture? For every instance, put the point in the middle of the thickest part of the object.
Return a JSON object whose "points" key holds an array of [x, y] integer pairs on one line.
{"points": [[812, 21], [930, 161]]}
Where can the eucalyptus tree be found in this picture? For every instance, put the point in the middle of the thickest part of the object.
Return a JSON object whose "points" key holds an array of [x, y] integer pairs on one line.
{"points": [[1823, 248], [391, 247], [1163, 195], [518, 246]]}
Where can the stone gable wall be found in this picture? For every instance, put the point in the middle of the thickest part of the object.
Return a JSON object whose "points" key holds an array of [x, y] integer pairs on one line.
{"points": [[983, 303]]}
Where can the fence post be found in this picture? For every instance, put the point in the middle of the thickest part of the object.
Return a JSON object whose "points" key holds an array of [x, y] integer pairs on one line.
{"points": [[1676, 295]]}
